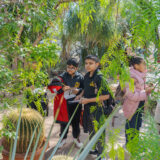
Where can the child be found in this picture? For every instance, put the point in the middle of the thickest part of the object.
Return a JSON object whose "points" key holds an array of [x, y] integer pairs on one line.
{"points": [[92, 86], [74, 81], [60, 104], [134, 101]]}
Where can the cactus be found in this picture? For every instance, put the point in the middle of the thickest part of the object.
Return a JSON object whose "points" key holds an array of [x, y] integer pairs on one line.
{"points": [[62, 157], [29, 120]]}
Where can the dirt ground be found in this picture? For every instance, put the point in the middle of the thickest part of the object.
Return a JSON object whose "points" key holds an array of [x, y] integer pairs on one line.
{"points": [[69, 148]]}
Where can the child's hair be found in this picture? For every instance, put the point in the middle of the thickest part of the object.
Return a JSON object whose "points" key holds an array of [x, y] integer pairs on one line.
{"points": [[135, 60], [72, 61], [93, 57]]}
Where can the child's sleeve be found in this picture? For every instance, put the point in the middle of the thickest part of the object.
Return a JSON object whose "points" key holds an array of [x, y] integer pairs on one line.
{"points": [[136, 95], [55, 89], [63, 77]]}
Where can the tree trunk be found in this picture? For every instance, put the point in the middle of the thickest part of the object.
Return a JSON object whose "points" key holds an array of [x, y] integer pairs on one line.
{"points": [[15, 63], [38, 39]]}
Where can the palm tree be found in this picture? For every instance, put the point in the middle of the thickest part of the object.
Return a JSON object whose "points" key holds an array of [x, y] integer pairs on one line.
{"points": [[98, 32]]}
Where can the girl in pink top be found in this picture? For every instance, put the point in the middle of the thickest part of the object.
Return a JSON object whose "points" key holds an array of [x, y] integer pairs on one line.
{"points": [[134, 101]]}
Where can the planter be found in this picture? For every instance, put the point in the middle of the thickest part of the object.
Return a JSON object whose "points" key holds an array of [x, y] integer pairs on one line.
{"points": [[20, 156]]}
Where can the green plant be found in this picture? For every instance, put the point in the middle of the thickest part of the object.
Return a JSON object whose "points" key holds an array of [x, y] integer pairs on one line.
{"points": [[92, 30], [5, 73], [151, 105], [29, 119], [146, 144], [34, 98], [8, 132], [91, 143], [25, 23]]}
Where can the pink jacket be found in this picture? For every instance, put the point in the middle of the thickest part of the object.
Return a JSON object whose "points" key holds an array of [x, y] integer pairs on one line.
{"points": [[132, 99]]}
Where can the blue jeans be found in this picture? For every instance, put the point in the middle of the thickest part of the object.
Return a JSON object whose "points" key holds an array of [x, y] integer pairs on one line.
{"points": [[135, 123]]}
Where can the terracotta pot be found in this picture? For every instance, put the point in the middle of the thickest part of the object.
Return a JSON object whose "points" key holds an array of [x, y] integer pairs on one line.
{"points": [[20, 156]]}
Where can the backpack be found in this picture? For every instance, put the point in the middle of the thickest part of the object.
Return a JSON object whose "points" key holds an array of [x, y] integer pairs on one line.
{"points": [[119, 95], [109, 105]]}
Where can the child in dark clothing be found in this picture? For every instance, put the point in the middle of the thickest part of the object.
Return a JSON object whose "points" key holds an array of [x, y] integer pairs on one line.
{"points": [[73, 81], [94, 95]]}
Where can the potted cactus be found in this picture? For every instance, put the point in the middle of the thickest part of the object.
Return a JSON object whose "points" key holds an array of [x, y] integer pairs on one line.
{"points": [[29, 120]]}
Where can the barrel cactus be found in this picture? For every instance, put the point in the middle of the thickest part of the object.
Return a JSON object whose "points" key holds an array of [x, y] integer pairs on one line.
{"points": [[62, 157], [29, 120]]}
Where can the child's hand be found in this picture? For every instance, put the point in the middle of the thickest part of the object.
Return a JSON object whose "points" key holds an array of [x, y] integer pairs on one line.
{"points": [[149, 90], [65, 88], [150, 85], [75, 91], [84, 101], [78, 97]]}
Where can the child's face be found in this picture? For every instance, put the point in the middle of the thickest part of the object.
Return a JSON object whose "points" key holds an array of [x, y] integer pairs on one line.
{"points": [[71, 69], [91, 65], [140, 67]]}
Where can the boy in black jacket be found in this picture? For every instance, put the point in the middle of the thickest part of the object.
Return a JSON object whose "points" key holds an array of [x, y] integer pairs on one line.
{"points": [[94, 95], [73, 80]]}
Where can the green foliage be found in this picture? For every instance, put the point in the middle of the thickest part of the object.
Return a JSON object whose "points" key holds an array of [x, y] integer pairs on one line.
{"points": [[100, 27], [45, 53], [35, 17], [29, 120], [114, 62], [1, 148], [112, 148], [151, 105], [22, 27], [36, 97], [5, 73], [89, 27], [146, 146], [93, 109], [35, 73], [143, 20], [153, 81], [8, 132], [36, 78]]}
